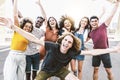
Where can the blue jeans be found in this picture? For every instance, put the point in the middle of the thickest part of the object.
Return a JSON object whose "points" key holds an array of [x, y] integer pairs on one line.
{"points": [[32, 61]]}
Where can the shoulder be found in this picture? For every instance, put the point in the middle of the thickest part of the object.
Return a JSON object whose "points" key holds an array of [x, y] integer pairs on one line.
{"points": [[51, 44], [38, 32], [74, 52], [103, 25]]}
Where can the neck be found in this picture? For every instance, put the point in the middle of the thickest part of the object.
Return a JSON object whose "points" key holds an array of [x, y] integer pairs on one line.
{"points": [[93, 28], [81, 30], [53, 28], [69, 30]]}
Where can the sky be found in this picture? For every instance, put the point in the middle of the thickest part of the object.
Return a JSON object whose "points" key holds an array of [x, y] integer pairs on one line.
{"points": [[56, 8]]}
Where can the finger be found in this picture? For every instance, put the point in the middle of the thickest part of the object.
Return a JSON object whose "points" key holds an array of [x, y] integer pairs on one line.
{"points": [[1, 24], [3, 20]]}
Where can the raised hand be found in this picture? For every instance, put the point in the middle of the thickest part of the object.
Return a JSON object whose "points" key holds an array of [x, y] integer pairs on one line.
{"points": [[114, 1], [6, 22], [38, 2]]}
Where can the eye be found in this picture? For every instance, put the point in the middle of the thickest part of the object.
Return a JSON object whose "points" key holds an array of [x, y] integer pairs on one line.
{"points": [[70, 42], [65, 39]]}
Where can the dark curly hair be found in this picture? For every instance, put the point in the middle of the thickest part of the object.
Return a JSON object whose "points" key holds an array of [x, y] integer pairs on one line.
{"points": [[24, 21], [65, 17]]}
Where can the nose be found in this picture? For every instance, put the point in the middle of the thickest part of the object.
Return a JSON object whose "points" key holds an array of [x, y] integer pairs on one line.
{"points": [[66, 42]]}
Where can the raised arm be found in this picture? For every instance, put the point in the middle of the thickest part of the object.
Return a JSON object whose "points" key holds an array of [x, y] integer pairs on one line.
{"points": [[27, 35], [19, 13], [109, 19], [42, 11], [15, 12], [103, 12]]}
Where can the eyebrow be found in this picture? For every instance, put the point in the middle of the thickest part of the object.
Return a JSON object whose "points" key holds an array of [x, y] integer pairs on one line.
{"points": [[70, 41], [94, 20]]}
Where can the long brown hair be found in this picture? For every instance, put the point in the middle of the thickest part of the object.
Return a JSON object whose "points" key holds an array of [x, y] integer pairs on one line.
{"points": [[76, 42]]}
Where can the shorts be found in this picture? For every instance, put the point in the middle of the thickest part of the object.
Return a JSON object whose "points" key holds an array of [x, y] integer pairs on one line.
{"points": [[32, 61], [105, 58], [62, 73], [79, 57]]}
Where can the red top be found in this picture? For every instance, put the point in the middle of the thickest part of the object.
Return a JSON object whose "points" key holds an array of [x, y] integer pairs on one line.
{"points": [[99, 37]]}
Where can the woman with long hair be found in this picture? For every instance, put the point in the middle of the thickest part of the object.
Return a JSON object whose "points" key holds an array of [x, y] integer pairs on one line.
{"points": [[79, 32]]}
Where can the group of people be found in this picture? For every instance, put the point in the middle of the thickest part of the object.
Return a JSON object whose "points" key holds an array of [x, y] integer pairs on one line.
{"points": [[62, 44]]}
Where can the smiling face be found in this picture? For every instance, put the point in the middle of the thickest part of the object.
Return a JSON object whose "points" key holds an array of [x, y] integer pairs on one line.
{"points": [[94, 22], [67, 24], [52, 22], [28, 27], [66, 44], [84, 22], [39, 22]]}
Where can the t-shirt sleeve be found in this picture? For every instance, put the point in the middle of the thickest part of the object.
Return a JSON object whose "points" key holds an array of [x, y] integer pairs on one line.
{"points": [[103, 25], [75, 53], [79, 52]]}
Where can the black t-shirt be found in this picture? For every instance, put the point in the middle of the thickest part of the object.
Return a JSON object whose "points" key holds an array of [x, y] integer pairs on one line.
{"points": [[54, 59]]}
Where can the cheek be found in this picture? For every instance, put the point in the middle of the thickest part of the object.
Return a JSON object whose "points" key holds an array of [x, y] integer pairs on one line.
{"points": [[86, 23], [70, 45], [30, 30], [62, 41], [24, 28]]}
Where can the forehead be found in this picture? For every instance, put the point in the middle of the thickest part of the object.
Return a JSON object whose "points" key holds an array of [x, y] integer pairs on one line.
{"points": [[51, 18], [84, 19], [68, 38], [39, 19], [95, 19], [67, 21], [29, 24]]}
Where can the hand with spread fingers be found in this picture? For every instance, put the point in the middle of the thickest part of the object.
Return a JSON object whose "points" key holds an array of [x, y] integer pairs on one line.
{"points": [[6, 22]]}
